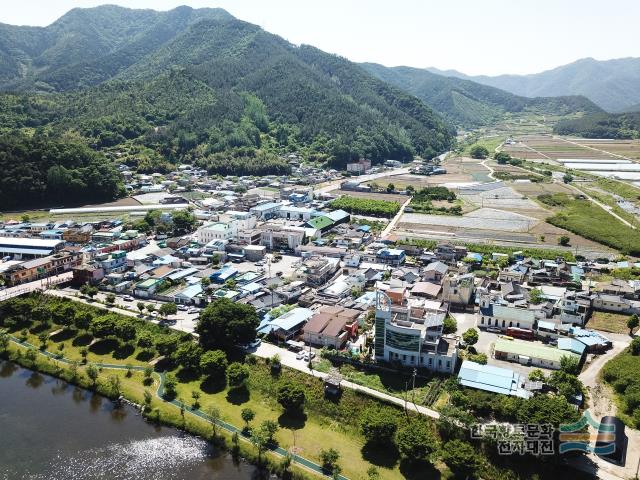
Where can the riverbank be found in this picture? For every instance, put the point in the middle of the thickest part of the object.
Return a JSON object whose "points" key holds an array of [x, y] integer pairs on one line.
{"points": [[53, 430], [169, 413]]}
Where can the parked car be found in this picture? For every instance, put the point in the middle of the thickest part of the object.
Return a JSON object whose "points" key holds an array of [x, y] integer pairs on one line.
{"points": [[309, 356], [494, 330], [300, 355], [128, 298], [183, 308], [192, 310]]}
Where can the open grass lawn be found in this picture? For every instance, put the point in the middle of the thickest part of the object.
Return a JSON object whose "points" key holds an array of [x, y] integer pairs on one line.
{"points": [[590, 221], [609, 322], [490, 143]]}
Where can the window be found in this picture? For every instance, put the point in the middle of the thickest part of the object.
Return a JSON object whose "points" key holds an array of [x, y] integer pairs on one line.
{"points": [[482, 321], [448, 364]]}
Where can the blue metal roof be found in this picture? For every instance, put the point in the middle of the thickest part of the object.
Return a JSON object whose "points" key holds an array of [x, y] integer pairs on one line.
{"points": [[490, 378], [572, 345]]}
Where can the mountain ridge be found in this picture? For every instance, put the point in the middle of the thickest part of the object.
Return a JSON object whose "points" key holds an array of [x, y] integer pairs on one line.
{"points": [[612, 84], [466, 102]]}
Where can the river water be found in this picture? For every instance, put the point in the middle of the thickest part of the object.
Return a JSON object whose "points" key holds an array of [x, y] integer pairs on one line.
{"points": [[50, 430]]}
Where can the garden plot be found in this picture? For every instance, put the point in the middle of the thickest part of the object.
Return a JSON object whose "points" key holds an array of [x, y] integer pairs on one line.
{"points": [[481, 219], [499, 196]]}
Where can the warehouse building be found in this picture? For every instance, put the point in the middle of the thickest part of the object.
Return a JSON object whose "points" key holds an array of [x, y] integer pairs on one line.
{"points": [[27, 248]]}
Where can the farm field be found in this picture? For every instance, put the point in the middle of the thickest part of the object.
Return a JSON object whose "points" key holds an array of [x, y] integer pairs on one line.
{"points": [[590, 221], [546, 147], [388, 197], [625, 148]]}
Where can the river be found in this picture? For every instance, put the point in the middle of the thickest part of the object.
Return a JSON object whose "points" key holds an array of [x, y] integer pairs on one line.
{"points": [[50, 430]]}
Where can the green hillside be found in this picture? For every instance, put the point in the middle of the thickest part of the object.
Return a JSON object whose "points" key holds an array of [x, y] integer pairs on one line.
{"points": [[469, 103], [602, 125], [201, 86]]}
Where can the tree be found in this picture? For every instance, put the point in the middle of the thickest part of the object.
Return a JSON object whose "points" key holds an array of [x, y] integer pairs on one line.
{"points": [[114, 385], [195, 394], [247, 416], [471, 336], [260, 440], [546, 409], [378, 426], [225, 324], [565, 383], [373, 473], [214, 363], [635, 346], [415, 440], [567, 178], [213, 413], [189, 355], [410, 189], [167, 309], [564, 240], [125, 330], [461, 458], [291, 396], [570, 364], [537, 375], [391, 188], [141, 307], [633, 323], [479, 152], [167, 344], [151, 307], [104, 326], [147, 375], [502, 158], [329, 459], [88, 290], [92, 373], [4, 340], [535, 296], [237, 374], [82, 320], [147, 398], [145, 341], [449, 325], [170, 384], [111, 298], [270, 428], [183, 221]]}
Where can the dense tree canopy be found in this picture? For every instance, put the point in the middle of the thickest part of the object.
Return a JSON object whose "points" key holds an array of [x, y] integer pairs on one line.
{"points": [[225, 324], [42, 171]]}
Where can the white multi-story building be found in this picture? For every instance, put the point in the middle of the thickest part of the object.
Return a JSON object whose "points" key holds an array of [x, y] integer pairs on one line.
{"points": [[408, 333], [216, 231]]}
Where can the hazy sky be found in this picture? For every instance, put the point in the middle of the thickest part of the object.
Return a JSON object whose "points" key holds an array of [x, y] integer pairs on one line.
{"points": [[473, 36]]}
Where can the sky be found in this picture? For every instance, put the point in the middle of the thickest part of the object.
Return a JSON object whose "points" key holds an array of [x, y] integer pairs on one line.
{"points": [[477, 37]]}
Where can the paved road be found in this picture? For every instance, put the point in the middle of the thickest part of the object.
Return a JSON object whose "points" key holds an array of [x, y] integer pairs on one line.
{"points": [[288, 358], [37, 285]]}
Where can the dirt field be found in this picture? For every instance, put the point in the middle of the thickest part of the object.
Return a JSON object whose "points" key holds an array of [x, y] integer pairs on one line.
{"points": [[626, 148], [389, 197], [609, 322], [540, 147]]}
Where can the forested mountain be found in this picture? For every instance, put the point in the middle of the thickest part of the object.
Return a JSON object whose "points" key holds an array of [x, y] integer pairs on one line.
{"points": [[614, 85], [201, 86], [602, 125], [469, 103]]}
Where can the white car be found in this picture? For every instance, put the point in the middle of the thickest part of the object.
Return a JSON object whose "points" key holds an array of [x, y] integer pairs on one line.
{"points": [[128, 298], [309, 356], [192, 310], [300, 355], [256, 343], [182, 308]]}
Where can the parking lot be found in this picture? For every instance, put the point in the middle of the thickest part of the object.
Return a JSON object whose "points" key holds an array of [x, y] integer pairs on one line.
{"points": [[279, 267]]}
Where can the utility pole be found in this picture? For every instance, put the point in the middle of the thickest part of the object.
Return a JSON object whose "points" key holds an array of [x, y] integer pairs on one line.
{"points": [[413, 391]]}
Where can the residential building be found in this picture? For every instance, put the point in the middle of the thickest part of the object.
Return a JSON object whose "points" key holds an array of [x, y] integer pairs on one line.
{"points": [[288, 325], [40, 268], [215, 231], [459, 291], [316, 271], [503, 316], [408, 333], [278, 237], [390, 256], [266, 211], [332, 326]]}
